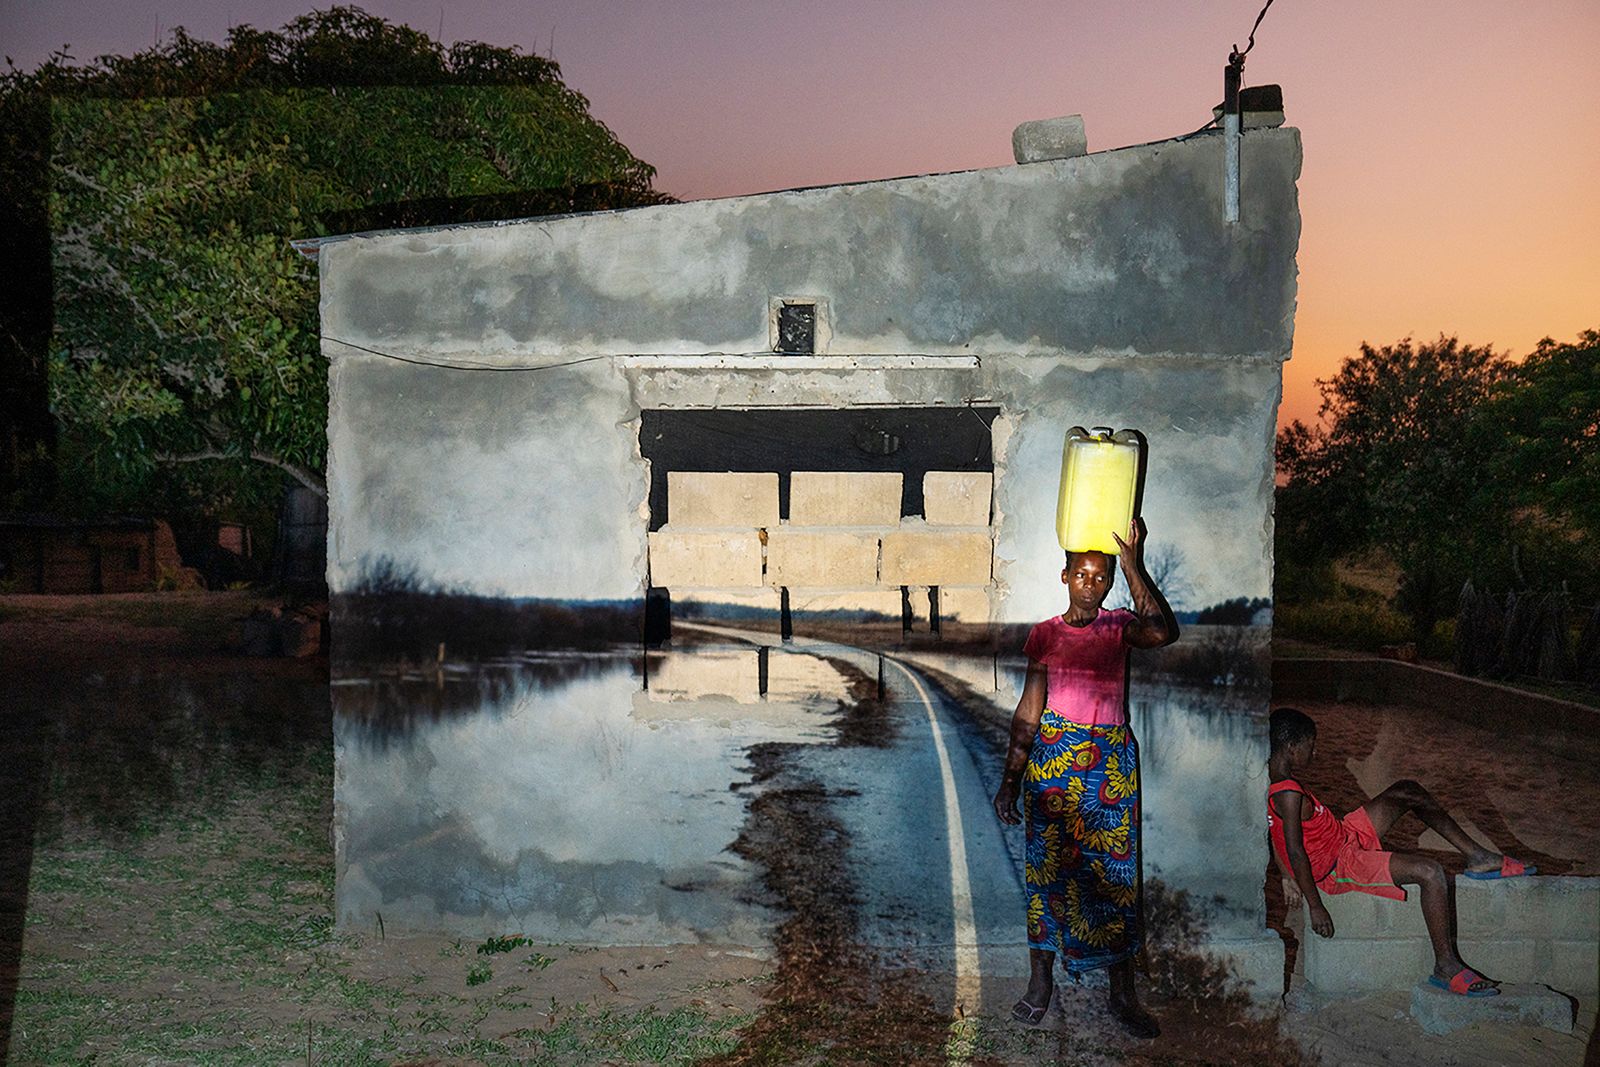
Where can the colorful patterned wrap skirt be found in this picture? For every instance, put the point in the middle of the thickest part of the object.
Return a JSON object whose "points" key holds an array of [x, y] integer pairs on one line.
{"points": [[1081, 805]]}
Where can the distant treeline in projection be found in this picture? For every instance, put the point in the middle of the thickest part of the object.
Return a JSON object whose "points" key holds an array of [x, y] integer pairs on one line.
{"points": [[392, 613]]}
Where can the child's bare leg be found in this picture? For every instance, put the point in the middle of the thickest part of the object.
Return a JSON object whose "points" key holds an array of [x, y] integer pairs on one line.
{"points": [[1407, 795], [1408, 868]]}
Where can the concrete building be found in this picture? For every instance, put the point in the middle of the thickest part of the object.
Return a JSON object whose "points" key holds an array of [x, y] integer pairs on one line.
{"points": [[851, 396]]}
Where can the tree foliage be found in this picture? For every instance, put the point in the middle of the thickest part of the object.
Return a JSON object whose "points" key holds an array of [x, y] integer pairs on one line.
{"points": [[1458, 463], [185, 326]]}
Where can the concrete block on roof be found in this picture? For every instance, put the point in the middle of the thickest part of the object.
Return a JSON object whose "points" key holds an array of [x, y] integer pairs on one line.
{"points": [[705, 559], [936, 557], [832, 558], [844, 498], [956, 498], [714, 498], [1042, 139], [964, 603], [1438, 1011]]}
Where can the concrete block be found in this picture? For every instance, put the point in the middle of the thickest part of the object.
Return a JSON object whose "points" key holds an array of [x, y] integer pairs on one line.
{"points": [[1439, 1011], [1042, 139], [746, 609], [819, 558], [1540, 906], [1255, 962], [844, 498], [697, 558], [801, 678], [970, 604], [1574, 966], [956, 498], [936, 557], [704, 498], [710, 675], [869, 605], [1356, 965], [1508, 959], [1362, 915]]}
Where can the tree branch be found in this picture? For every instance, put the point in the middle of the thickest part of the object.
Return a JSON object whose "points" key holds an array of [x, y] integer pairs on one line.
{"points": [[304, 476]]}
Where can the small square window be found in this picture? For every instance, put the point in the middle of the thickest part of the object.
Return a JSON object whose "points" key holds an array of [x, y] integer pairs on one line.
{"points": [[797, 329], [798, 325]]}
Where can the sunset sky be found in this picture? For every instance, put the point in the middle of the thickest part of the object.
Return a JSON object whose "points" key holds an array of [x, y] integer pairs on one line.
{"points": [[1452, 147]]}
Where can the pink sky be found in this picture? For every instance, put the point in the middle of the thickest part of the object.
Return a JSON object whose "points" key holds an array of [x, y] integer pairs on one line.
{"points": [[1452, 146]]}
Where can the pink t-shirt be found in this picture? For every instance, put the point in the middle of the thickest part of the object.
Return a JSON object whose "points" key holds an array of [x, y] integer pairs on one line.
{"points": [[1088, 667]]}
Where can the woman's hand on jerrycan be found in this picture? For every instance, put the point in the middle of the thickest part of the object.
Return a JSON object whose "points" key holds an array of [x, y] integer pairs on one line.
{"points": [[1130, 548], [1005, 803]]}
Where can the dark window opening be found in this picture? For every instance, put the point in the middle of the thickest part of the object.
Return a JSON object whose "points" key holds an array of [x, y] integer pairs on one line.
{"points": [[130, 561], [797, 329]]}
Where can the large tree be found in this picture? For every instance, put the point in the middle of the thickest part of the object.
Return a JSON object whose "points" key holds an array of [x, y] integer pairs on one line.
{"points": [[1457, 462], [1394, 467], [185, 326]]}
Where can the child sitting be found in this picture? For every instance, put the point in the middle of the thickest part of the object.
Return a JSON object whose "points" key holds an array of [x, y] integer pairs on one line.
{"points": [[1322, 853]]}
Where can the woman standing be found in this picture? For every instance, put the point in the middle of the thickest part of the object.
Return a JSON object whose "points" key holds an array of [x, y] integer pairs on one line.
{"points": [[1074, 760]]}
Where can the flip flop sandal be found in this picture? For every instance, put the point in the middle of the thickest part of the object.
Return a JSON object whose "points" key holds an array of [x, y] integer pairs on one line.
{"points": [[1031, 1014], [1509, 868], [1461, 984]]}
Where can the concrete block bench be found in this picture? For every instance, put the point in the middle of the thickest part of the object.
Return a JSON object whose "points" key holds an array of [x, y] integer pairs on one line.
{"points": [[1541, 929]]}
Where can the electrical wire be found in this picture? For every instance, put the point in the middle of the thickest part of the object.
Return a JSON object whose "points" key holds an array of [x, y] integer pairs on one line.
{"points": [[1237, 57], [461, 366]]}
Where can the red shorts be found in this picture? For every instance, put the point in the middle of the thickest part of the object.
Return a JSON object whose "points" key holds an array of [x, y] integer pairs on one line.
{"points": [[1362, 865]]}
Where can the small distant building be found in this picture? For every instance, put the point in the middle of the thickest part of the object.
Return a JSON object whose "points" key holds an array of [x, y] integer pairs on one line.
{"points": [[45, 554]]}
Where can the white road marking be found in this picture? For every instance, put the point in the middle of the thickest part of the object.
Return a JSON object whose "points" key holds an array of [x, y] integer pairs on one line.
{"points": [[969, 978]]}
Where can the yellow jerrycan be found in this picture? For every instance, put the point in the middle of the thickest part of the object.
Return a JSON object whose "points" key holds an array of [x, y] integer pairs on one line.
{"points": [[1099, 483]]}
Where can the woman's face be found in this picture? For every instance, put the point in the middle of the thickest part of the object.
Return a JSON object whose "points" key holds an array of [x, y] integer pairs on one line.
{"points": [[1088, 577]]}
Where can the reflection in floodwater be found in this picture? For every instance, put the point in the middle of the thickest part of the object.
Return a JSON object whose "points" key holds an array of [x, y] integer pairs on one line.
{"points": [[126, 748], [532, 795]]}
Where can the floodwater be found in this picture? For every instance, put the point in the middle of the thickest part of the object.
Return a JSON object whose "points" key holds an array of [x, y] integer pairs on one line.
{"points": [[557, 797], [598, 798]]}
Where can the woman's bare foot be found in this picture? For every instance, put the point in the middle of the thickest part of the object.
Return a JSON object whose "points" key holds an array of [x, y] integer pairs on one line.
{"points": [[1133, 1017], [1041, 986], [1483, 860]]}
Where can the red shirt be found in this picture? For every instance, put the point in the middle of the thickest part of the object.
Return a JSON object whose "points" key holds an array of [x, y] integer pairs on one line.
{"points": [[1088, 667], [1322, 831]]}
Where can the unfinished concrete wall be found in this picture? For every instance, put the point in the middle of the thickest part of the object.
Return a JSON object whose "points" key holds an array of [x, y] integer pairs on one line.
{"points": [[1104, 290]]}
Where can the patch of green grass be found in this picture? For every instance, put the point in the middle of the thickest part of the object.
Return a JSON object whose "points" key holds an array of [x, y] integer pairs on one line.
{"points": [[682, 1036], [479, 973], [495, 945]]}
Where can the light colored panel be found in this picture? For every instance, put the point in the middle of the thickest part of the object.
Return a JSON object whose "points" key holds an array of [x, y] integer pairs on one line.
{"points": [[709, 675], [703, 498], [845, 604], [831, 559], [964, 603], [844, 498], [956, 498], [936, 557], [698, 558]]}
